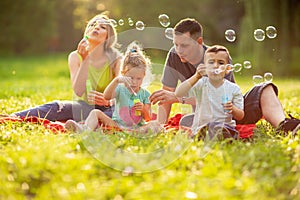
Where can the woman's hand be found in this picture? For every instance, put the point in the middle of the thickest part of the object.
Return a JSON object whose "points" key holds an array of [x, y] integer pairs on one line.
{"points": [[83, 48], [97, 98]]}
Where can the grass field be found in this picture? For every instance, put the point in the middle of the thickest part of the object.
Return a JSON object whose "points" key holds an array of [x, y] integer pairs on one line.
{"points": [[37, 164]]}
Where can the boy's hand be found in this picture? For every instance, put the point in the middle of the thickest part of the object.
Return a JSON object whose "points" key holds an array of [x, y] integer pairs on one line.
{"points": [[201, 70], [228, 107]]}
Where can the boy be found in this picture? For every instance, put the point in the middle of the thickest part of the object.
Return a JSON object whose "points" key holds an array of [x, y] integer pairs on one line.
{"points": [[218, 100]]}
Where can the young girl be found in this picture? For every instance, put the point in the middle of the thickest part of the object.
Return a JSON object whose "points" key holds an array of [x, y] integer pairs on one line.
{"points": [[132, 106]]}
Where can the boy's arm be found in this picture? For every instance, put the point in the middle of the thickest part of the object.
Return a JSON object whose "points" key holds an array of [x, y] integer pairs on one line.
{"points": [[237, 113], [236, 106], [185, 86]]}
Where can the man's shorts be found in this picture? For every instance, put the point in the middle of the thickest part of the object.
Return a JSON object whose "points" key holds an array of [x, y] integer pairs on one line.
{"points": [[252, 109]]}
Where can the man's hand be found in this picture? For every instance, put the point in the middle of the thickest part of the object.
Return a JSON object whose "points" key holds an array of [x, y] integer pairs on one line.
{"points": [[163, 97]]}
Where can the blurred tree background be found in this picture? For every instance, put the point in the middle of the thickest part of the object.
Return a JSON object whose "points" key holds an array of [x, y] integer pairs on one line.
{"points": [[43, 26]]}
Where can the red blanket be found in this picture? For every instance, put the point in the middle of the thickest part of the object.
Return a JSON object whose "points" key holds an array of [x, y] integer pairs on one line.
{"points": [[55, 127], [245, 131]]}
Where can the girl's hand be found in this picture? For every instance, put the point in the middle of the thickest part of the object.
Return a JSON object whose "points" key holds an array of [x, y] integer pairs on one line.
{"points": [[97, 98], [125, 79], [82, 48], [138, 106]]}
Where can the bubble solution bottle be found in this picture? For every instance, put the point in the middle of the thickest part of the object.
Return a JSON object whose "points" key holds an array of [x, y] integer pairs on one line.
{"points": [[224, 101], [137, 113], [88, 86]]}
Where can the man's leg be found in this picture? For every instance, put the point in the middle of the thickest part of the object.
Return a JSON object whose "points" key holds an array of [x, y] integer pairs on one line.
{"points": [[262, 101], [271, 107]]}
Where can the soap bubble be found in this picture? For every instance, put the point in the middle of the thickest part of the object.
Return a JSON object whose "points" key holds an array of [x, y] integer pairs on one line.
{"points": [[220, 69], [169, 33], [130, 22], [271, 32], [259, 35], [268, 77], [121, 22], [257, 79], [237, 67], [113, 22], [229, 67], [164, 20], [139, 25], [230, 35], [247, 64]]}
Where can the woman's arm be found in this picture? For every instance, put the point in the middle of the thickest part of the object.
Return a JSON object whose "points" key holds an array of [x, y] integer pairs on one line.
{"points": [[78, 72], [78, 65]]}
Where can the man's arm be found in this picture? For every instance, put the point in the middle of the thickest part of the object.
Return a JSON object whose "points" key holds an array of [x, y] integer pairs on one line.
{"points": [[165, 108]]}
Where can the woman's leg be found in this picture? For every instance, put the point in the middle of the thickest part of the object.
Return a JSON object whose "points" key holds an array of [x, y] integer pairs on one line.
{"points": [[63, 111], [53, 111]]}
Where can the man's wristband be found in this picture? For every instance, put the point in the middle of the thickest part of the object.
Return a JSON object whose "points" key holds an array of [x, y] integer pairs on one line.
{"points": [[182, 100]]}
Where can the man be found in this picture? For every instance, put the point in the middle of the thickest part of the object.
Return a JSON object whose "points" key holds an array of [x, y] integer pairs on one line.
{"points": [[181, 63]]}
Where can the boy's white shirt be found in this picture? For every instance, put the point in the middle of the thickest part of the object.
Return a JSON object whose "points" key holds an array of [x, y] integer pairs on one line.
{"points": [[209, 107]]}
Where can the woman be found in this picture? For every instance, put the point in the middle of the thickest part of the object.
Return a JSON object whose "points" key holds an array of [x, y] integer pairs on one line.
{"points": [[95, 62], [133, 107]]}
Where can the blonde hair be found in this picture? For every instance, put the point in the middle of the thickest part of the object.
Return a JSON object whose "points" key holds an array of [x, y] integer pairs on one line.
{"points": [[111, 40], [134, 58]]}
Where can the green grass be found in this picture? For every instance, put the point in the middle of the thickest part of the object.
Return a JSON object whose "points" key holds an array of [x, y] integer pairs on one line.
{"points": [[37, 164]]}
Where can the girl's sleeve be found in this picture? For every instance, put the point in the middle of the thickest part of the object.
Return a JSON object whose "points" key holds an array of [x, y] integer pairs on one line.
{"points": [[146, 97]]}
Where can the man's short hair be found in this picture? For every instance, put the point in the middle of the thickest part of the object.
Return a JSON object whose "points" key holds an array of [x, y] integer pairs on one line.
{"points": [[189, 25]]}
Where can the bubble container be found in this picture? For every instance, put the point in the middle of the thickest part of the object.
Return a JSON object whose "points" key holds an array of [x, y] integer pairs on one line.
{"points": [[224, 101], [137, 113]]}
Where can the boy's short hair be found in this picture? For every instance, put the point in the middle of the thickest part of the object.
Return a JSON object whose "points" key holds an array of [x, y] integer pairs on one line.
{"points": [[216, 49], [189, 25]]}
